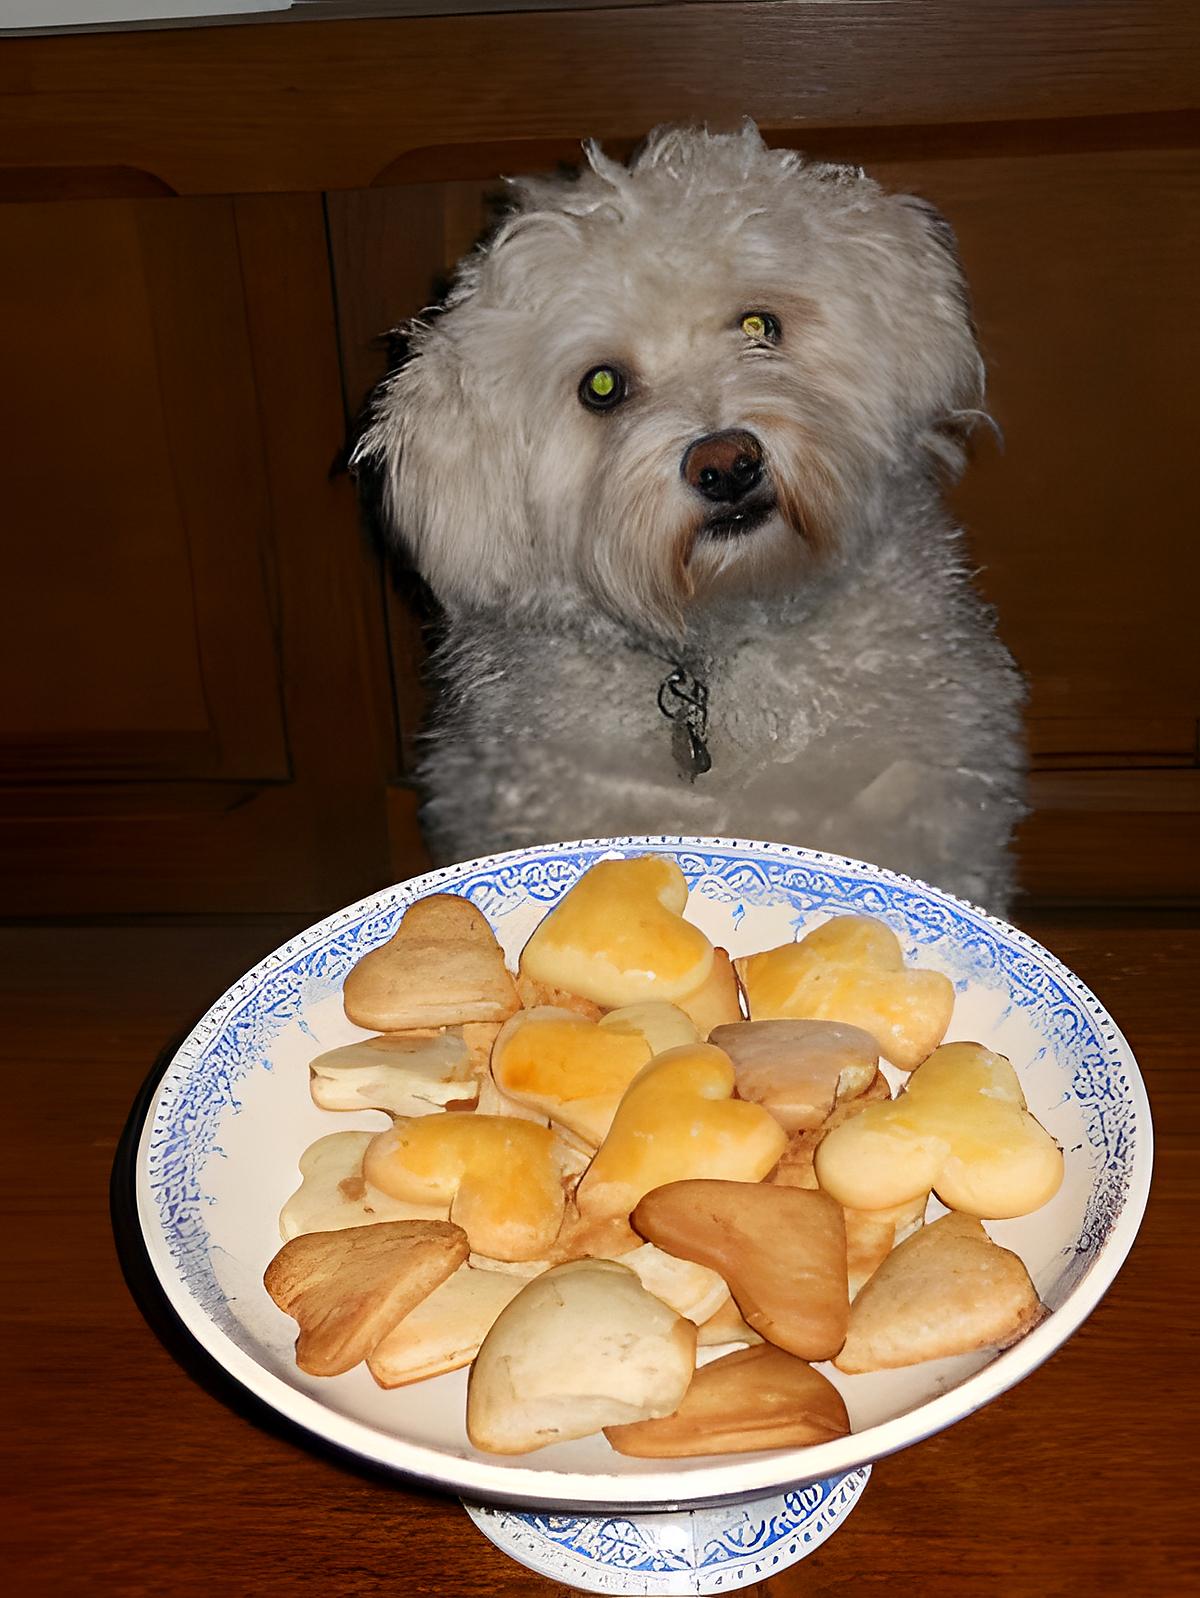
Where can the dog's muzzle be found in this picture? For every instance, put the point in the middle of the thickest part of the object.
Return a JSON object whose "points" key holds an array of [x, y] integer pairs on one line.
{"points": [[726, 469]]}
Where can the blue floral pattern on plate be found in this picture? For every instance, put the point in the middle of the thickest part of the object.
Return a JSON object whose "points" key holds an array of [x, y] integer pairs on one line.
{"points": [[699, 1551]]}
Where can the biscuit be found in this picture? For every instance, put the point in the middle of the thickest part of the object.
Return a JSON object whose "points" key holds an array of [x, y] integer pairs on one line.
{"points": [[582, 1347], [678, 1119], [444, 1331], [348, 1289], [399, 1073], [960, 1126], [441, 967], [946, 1290], [501, 1177], [618, 936], [782, 1251], [751, 1399], [575, 1071], [797, 1069], [852, 969], [334, 1194]]}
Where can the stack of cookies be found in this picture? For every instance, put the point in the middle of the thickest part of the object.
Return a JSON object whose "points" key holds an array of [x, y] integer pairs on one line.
{"points": [[632, 1149]]}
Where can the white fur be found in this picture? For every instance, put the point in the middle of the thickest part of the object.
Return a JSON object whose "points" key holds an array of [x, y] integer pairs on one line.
{"points": [[859, 700]]}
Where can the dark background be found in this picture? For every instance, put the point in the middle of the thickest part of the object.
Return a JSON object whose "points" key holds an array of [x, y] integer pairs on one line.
{"points": [[212, 686]]}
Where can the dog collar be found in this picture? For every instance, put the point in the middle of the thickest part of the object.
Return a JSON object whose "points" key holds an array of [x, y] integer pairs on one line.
{"points": [[683, 700]]}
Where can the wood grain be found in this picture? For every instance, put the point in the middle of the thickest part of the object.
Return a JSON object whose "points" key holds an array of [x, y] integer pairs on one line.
{"points": [[130, 428], [135, 1480], [193, 623], [332, 105]]}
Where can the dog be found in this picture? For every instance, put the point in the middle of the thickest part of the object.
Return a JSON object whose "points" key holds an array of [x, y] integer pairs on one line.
{"points": [[670, 456]]}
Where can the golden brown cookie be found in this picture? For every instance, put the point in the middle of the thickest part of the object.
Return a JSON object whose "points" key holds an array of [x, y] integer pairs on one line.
{"points": [[782, 1250], [946, 1290], [753, 1398], [441, 967], [348, 1289]]}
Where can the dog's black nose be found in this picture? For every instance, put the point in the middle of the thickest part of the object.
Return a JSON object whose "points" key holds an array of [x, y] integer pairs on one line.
{"points": [[724, 467]]}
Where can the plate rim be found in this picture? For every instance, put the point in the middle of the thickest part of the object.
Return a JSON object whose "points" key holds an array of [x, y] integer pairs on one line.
{"points": [[510, 1484]]}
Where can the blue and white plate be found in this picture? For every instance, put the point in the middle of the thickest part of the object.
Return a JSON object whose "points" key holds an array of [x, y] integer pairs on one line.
{"points": [[222, 1135]]}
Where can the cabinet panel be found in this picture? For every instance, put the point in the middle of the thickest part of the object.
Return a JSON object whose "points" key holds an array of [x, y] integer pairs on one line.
{"points": [[192, 625], [1082, 268], [138, 633]]}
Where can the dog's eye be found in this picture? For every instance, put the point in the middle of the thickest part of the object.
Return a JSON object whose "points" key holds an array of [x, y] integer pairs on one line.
{"points": [[602, 388], [762, 327]]}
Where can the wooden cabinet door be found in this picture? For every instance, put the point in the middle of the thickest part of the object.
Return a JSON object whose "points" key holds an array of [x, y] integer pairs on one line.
{"points": [[195, 712]]}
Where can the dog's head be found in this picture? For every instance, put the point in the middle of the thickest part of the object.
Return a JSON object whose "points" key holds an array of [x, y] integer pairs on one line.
{"points": [[659, 381]]}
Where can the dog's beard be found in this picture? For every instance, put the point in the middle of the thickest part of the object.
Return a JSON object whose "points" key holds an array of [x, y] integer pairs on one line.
{"points": [[651, 549]]}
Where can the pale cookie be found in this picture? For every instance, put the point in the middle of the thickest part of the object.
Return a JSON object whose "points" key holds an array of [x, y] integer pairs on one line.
{"points": [[947, 1290], [960, 1127], [444, 1331], [502, 1177], [442, 967], [725, 1325], [852, 969], [400, 1074], [678, 1119], [797, 1069], [334, 1194], [690, 1289], [781, 1250], [582, 1347], [618, 936], [752, 1399], [348, 1289]]}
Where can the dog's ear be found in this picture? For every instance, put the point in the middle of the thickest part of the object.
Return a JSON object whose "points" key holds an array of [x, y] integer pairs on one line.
{"points": [[953, 364], [438, 470]]}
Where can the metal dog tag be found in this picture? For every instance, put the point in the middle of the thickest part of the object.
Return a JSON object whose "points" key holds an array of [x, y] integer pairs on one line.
{"points": [[683, 700]]}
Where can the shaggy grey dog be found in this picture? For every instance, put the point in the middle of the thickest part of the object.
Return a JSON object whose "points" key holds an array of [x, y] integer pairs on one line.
{"points": [[670, 458]]}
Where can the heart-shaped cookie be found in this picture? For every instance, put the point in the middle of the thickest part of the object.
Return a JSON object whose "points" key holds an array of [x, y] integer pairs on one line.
{"points": [[582, 1347], [334, 1194], [575, 1071], [441, 967], [444, 1331], [797, 1069], [618, 936], [678, 1119], [852, 969], [961, 1127], [501, 1177], [948, 1290], [348, 1289], [398, 1072], [754, 1398], [781, 1250]]}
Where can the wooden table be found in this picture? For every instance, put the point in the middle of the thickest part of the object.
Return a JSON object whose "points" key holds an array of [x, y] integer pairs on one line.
{"points": [[132, 1479]]}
